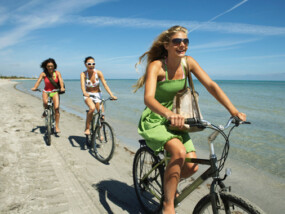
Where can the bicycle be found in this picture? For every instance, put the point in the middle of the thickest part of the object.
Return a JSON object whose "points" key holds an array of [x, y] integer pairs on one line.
{"points": [[101, 138], [148, 173], [49, 115]]}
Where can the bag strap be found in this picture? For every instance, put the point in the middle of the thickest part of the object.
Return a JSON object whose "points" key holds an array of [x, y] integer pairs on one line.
{"points": [[191, 84], [52, 81], [188, 74]]}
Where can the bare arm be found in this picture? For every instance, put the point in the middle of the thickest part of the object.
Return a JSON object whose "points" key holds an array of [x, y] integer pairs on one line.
{"points": [[60, 81], [82, 83], [149, 96], [42, 75], [101, 76], [213, 88]]}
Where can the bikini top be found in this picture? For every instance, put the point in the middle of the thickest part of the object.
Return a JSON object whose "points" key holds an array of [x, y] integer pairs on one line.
{"points": [[88, 82], [166, 73]]}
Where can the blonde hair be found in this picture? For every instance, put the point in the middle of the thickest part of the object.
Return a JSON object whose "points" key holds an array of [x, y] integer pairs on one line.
{"points": [[157, 51]]}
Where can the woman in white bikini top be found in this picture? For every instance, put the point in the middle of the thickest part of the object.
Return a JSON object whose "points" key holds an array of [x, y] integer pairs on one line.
{"points": [[90, 84]]}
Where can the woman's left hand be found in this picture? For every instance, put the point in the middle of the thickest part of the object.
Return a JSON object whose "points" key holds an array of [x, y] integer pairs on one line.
{"points": [[114, 97], [62, 89], [241, 116]]}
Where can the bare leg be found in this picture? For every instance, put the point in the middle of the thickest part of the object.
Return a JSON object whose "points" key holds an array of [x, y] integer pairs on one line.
{"points": [[98, 107], [56, 110], [177, 168], [91, 105], [45, 100], [189, 169], [172, 173]]}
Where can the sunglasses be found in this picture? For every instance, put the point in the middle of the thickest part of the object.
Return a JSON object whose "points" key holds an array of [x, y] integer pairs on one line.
{"points": [[89, 63], [177, 41]]}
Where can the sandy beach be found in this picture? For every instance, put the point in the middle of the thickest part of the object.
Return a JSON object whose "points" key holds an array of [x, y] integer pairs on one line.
{"points": [[64, 177]]}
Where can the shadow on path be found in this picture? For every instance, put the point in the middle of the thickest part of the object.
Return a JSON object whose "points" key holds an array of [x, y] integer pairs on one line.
{"points": [[77, 141], [120, 194]]}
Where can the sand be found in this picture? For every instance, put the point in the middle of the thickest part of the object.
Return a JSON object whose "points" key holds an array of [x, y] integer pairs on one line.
{"points": [[64, 177]]}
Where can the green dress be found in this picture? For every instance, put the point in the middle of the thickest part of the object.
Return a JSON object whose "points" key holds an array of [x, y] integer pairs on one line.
{"points": [[153, 127]]}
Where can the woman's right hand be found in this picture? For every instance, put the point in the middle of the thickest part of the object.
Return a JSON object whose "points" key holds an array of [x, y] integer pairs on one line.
{"points": [[33, 89], [176, 120], [86, 94]]}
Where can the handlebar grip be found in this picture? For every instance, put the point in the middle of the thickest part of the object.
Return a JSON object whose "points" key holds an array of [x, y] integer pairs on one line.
{"points": [[246, 122], [191, 121], [238, 121]]}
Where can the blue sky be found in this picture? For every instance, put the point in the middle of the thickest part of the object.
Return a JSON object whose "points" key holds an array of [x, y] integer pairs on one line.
{"points": [[230, 39]]}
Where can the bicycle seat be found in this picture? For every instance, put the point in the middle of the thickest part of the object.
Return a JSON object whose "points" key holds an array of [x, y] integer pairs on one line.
{"points": [[142, 142]]}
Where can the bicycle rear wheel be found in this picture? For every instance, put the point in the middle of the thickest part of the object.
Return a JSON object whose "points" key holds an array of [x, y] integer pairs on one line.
{"points": [[48, 120], [104, 142], [232, 203], [150, 190]]}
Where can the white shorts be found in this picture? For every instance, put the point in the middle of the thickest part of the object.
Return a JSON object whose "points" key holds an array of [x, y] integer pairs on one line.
{"points": [[97, 97]]}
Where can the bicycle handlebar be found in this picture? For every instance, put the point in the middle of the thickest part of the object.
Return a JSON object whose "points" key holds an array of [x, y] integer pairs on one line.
{"points": [[109, 98], [205, 123], [54, 90]]}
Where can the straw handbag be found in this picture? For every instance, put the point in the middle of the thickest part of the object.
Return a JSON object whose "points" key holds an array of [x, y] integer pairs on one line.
{"points": [[186, 104]]}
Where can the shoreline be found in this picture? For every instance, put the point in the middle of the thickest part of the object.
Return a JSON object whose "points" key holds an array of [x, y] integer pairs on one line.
{"points": [[84, 167]]}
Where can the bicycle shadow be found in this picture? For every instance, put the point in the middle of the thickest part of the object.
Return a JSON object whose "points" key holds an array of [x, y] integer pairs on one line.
{"points": [[42, 130], [120, 194], [78, 141]]}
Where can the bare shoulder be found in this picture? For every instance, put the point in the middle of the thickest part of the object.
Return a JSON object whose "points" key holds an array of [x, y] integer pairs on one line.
{"points": [[82, 73], [99, 73], [190, 60], [43, 74], [155, 66], [192, 63]]}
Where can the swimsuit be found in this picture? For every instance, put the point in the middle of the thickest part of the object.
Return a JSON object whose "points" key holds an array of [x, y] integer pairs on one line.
{"points": [[97, 95], [88, 82], [48, 85], [153, 127]]}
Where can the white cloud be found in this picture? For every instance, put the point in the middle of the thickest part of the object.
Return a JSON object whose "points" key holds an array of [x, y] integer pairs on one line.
{"points": [[221, 44], [221, 27], [36, 14]]}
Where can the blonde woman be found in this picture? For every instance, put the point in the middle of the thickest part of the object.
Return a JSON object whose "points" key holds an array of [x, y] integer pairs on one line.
{"points": [[90, 85], [163, 78]]}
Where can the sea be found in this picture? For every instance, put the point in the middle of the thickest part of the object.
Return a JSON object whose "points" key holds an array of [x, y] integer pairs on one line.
{"points": [[260, 145]]}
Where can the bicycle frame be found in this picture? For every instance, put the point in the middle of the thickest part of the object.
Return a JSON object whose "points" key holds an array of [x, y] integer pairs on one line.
{"points": [[98, 115], [212, 171]]}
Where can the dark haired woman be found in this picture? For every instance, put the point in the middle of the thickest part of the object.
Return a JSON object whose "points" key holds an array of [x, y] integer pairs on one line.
{"points": [[49, 71], [90, 85]]}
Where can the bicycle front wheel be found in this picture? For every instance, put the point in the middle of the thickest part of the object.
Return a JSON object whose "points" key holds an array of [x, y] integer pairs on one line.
{"points": [[231, 203], [104, 142], [48, 126], [150, 189]]}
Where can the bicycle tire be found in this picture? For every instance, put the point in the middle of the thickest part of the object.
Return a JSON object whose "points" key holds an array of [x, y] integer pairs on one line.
{"points": [[48, 125], [52, 120], [150, 191], [103, 142], [232, 203]]}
